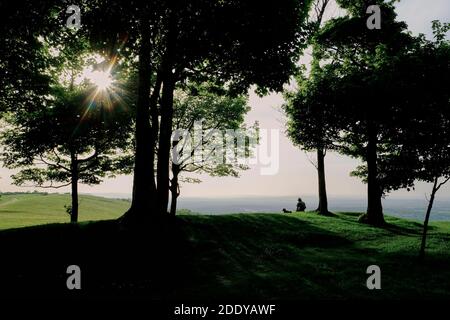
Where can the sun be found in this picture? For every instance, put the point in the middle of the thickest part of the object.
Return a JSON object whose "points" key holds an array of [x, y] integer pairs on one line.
{"points": [[101, 79]]}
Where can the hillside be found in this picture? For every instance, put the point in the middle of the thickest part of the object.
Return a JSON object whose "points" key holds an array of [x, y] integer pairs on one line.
{"points": [[239, 256], [22, 209]]}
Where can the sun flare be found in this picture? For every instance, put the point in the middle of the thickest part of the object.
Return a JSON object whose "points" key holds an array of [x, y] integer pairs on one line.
{"points": [[101, 79]]}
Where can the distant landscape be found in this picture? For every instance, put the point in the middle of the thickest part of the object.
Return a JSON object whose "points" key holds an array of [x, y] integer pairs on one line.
{"points": [[397, 207], [28, 209], [409, 208]]}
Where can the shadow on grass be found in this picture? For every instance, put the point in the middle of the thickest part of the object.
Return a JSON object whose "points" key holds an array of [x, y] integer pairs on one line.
{"points": [[156, 263], [413, 228], [246, 256], [114, 261]]}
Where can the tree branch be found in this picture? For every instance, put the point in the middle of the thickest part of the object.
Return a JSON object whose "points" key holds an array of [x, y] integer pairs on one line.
{"points": [[51, 186], [442, 183], [57, 164]]}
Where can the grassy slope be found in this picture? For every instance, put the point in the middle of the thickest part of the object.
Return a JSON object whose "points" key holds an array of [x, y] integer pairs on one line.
{"points": [[19, 210], [311, 257], [240, 256]]}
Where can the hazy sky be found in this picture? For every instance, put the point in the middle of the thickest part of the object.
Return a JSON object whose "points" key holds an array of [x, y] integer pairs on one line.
{"points": [[296, 175]]}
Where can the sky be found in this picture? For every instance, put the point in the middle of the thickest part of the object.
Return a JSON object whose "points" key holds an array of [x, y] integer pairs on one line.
{"points": [[296, 175]]}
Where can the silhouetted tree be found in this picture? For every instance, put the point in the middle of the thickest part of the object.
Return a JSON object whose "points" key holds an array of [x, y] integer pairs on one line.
{"points": [[313, 120], [309, 125], [177, 41], [365, 56], [433, 92], [423, 126]]}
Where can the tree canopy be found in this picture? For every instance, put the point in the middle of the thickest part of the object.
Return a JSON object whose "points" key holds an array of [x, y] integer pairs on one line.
{"points": [[78, 133], [231, 43]]}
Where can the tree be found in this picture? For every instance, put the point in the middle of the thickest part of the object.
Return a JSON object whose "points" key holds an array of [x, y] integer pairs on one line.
{"points": [[192, 40], [425, 122], [208, 124], [81, 134], [434, 157], [365, 57], [313, 120], [309, 125]]}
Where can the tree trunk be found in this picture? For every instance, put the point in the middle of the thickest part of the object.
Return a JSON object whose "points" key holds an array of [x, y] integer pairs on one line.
{"points": [[144, 188], [374, 215], [174, 190], [323, 199], [165, 127], [164, 142], [427, 218], [74, 184], [154, 114]]}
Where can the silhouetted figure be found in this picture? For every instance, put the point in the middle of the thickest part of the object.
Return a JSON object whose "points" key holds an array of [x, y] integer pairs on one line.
{"points": [[301, 206], [286, 211]]}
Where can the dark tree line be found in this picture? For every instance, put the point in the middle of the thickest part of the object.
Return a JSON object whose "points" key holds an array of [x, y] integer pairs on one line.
{"points": [[226, 42], [380, 96], [166, 44]]}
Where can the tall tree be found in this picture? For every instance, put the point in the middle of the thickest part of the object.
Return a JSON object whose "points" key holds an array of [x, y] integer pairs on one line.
{"points": [[313, 120], [307, 124], [365, 56], [434, 157], [176, 41], [424, 137]]}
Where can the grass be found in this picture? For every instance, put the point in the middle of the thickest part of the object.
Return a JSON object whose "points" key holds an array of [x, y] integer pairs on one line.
{"points": [[239, 256], [305, 256], [22, 209]]}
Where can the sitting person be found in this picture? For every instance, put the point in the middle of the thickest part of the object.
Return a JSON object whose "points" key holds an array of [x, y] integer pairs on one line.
{"points": [[286, 211], [301, 206]]}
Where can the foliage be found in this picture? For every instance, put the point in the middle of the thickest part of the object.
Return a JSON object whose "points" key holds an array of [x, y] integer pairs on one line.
{"points": [[209, 111], [417, 133], [43, 142], [78, 128], [23, 82], [368, 85], [313, 116], [218, 39]]}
